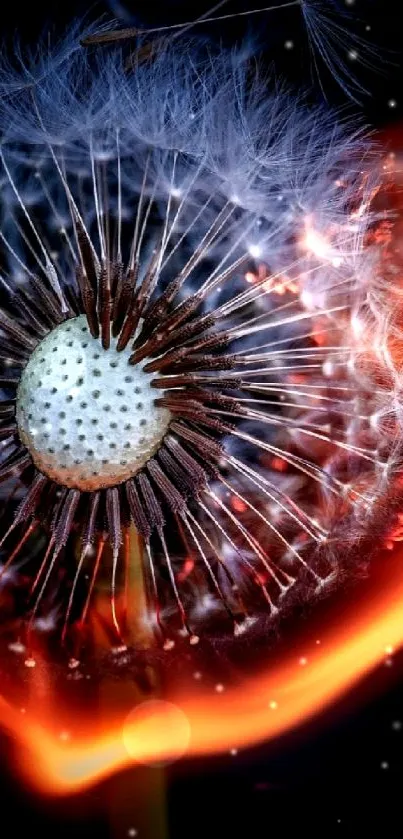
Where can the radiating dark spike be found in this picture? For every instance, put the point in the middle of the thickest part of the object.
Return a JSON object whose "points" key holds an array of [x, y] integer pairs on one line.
{"points": [[138, 514], [205, 362], [8, 430], [71, 297], [11, 361], [159, 308], [164, 320], [34, 494], [162, 362], [175, 400], [64, 524], [171, 494], [162, 341], [55, 510], [9, 381], [152, 506], [9, 346], [49, 303], [7, 409], [87, 255], [210, 342], [182, 356], [230, 403], [202, 442], [196, 412], [90, 526], [17, 332], [36, 326], [140, 300], [89, 302], [188, 475], [166, 382], [129, 326], [16, 467], [116, 278], [113, 518], [168, 329], [28, 505], [105, 305], [122, 298]]}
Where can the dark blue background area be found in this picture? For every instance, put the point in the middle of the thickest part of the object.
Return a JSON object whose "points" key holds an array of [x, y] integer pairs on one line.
{"points": [[328, 779]]}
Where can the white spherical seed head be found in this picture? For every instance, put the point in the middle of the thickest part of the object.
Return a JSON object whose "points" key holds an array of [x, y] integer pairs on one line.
{"points": [[85, 414]]}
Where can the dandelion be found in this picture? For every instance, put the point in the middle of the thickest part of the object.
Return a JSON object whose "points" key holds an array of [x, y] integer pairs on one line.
{"points": [[182, 255]]}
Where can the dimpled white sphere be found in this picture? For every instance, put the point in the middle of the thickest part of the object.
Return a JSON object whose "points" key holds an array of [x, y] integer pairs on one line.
{"points": [[85, 414]]}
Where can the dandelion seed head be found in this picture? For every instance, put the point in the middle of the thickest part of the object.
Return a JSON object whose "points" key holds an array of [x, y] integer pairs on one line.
{"points": [[88, 418], [182, 352]]}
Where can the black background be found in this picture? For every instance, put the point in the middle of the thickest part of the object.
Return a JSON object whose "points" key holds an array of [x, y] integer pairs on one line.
{"points": [[343, 774]]}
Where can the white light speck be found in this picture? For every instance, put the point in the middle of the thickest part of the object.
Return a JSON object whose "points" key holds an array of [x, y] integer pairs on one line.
{"points": [[353, 55], [384, 764], [273, 705], [219, 688], [288, 45], [255, 251], [392, 103], [303, 661]]}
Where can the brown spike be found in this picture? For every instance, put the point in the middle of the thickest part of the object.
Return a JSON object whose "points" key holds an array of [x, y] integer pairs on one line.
{"points": [[202, 442], [49, 303], [26, 309], [9, 381], [189, 476], [152, 506], [155, 311], [140, 300], [7, 409], [113, 518], [87, 255], [173, 498], [105, 305], [123, 299], [17, 332], [129, 325], [137, 512], [205, 362], [64, 524], [29, 503], [166, 382], [89, 301], [17, 466], [164, 361], [168, 330], [90, 526], [8, 430]]}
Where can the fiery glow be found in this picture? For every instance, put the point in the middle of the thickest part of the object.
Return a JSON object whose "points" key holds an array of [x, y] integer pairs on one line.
{"points": [[60, 754]]}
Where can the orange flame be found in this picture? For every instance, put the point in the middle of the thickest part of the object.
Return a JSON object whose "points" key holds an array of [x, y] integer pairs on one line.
{"points": [[308, 678]]}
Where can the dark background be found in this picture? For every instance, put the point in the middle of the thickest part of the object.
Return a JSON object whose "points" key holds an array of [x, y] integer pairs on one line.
{"points": [[343, 774]]}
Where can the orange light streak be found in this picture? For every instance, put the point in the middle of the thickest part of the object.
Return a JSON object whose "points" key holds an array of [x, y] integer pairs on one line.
{"points": [[308, 678]]}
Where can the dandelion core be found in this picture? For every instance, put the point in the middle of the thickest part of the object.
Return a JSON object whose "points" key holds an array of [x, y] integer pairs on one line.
{"points": [[86, 416]]}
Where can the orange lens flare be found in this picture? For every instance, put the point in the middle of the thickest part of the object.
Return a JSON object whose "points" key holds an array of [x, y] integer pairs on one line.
{"points": [[301, 682]]}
